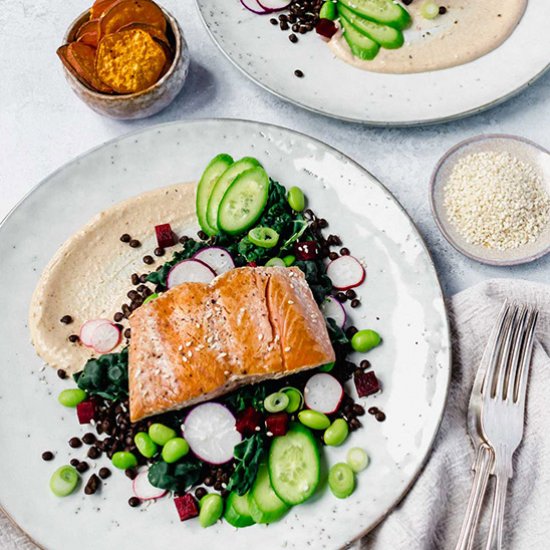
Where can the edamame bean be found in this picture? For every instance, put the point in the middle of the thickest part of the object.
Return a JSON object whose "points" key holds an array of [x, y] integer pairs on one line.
{"points": [[211, 509], [174, 449], [314, 419], [295, 399], [296, 199], [275, 262], [276, 402], [328, 367], [145, 445], [124, 460], [341, 480], [64, 481], [336, 433], [150, 298], [289, 260], [358, 459], [328, 11], [160, 433], [72, 397], [365, 340]]}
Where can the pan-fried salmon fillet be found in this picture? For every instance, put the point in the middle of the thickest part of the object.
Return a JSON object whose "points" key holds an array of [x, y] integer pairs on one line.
{"points": [[198, 341]]}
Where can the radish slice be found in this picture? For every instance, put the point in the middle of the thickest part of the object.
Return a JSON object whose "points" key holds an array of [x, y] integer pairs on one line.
{"points": [[216, 258], [88, 328], [254, 7], [323, 393], [143, 489], [189, 271], [346, 272], [106, 337], [274, 5], [332, 308], [210, 429]]}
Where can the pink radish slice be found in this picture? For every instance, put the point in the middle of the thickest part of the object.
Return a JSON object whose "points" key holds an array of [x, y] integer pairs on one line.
{"points": [[323, 393], [216, 258], [88, 328], [210, 429], [105, 338], [345, 272], [274, 5], [189, 271], [143, 489], [254, 7], [332, 308]]}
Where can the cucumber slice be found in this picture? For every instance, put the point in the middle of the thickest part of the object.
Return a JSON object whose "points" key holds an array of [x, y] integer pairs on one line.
{"points": [[361, 46], [388, 37], [381, 11], [217, 166], [294, 465], [237, 510], [244, 201], [265, 505], [223, 184]]}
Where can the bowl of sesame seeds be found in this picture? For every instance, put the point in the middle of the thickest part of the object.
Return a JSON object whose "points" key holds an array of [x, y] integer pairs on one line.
{"points": [[490, 197]]}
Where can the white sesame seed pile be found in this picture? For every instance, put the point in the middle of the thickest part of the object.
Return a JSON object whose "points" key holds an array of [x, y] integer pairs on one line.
{"points": [[496, 200]]}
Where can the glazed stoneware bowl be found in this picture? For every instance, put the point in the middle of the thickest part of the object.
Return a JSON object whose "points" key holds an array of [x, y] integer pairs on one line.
{"points": [[140, 104]]}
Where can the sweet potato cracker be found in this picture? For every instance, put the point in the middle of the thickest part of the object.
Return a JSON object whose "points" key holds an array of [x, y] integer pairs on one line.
{"points": [[81, 57], [125, 12], [100, 7]]}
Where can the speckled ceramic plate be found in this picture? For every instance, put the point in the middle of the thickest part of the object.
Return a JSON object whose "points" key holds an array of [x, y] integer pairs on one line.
{"points": [[401, 299], [532, 154], [334, 88]]}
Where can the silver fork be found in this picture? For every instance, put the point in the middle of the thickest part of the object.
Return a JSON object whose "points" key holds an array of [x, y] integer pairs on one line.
{"points": [[504, 396]]}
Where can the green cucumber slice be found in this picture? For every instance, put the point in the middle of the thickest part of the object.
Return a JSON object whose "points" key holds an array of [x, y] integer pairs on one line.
{"points": [[265, 505], [361, 46], [237, 510], [386, 12], [216, 167], [294, 465], [223, 184], [244, 201], [388, 37]]}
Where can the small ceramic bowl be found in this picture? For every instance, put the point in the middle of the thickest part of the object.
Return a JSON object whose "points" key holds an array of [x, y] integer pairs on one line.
{"points": [[140, 104], [524, 150]]}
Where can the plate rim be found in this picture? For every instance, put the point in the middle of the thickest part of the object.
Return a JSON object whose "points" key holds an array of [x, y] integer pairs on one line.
{"points": [[446, 315], [377, 123]]}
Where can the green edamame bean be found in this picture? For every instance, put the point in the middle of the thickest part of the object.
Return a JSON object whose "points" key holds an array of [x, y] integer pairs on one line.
{"points": [[64, 481], [174, 449], [328, 11], [295, 399], [145, 445], [124, 460], [365, 340], [328, 367], [160, 434], [276, 402], [72, 397], [275, 262], [289, 260], [211, 509], [314, 419], [341, 480], [296, 199], [336, 433], [150, 298]]}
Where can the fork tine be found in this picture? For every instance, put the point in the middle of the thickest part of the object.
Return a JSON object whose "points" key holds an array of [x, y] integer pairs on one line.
{"points": [[515, 360], [504, 360], [523, 374]]}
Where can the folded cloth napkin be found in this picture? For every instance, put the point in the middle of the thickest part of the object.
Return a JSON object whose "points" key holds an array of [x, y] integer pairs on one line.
{"points": [[430, 516]]}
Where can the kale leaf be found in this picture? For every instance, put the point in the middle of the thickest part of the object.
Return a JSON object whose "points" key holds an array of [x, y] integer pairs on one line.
{"points": [[316, 278], [176, 477], [247, 396], [340, 342], [106, 376], [248, 454]]}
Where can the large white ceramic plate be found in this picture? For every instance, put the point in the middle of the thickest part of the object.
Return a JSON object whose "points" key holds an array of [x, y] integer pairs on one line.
{"points": [[401, 299], [332, 87]]}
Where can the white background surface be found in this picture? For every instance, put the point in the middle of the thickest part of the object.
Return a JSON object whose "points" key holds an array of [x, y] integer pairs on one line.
{"points": [[43, 125]]}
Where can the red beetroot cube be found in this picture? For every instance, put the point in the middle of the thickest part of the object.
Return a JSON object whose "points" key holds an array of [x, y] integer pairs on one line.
{"points": [[326, 28], [306, 250], [85, 411], [252, 264], [187, 506], [277, 423], [366, 383], [165, 235], [248, 421]]}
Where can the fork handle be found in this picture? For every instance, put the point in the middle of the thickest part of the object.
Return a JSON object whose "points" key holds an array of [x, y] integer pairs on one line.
{"points": [[494, 540], [482, 466]]}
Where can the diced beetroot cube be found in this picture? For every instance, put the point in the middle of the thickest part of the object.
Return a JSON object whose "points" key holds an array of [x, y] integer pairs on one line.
{"points": [[248, 421], [165, 235], [277, 423], [187, 506], [252, 264], [326, 28], [306, 250], [85, 411], [366, 383]]}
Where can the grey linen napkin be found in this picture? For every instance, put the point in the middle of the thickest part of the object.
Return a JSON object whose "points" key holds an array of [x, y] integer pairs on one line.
{"points": [[430, 516]]}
